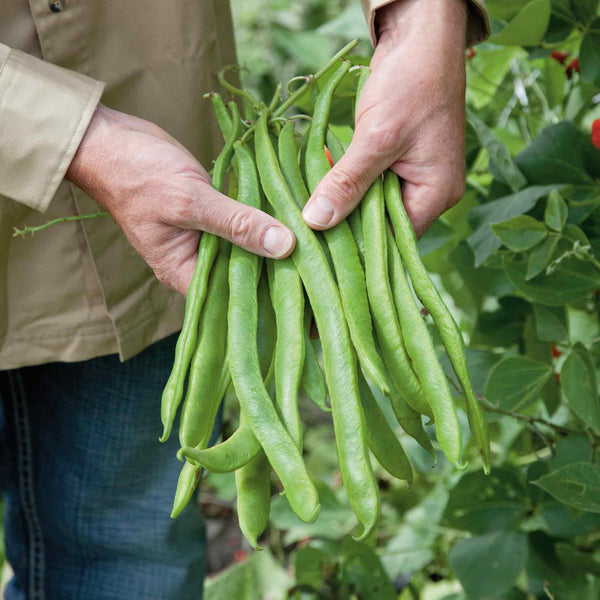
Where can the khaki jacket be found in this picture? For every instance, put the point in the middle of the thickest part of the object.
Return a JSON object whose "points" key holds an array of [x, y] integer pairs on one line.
{"points": [[79, 290]]}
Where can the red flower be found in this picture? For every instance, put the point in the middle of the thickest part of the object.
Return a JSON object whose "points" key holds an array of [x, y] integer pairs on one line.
{"points": [[328, 155], [596, 133], [555, 351], [572, 66], [559, 56]]}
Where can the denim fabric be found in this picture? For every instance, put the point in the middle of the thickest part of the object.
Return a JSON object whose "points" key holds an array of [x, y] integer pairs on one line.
{"points": [[88, 488]]}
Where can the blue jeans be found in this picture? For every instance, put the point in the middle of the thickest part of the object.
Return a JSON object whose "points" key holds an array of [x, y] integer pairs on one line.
{"points": [[87, 487]]}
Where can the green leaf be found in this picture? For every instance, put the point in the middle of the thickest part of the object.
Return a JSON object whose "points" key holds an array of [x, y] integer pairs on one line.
{"points": [[482, 503], [258, 577], [557, 155], [551, 323], [488, 565], [435, 237], [528, 27], [310, 564], [516, 380], [589, 55], [486, 72], [481, 281], [520, 233], [505, 208], [570, 280], [335, 518], [584, 11], [502, 327], [577, 561], [504, 10], [540, 256], [362, 573], [556, 212], [576, 485], [349, 24], [411, 546], [580, 386], [502, 165]]}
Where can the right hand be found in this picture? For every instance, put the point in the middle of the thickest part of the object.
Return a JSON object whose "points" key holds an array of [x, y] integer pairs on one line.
{"points": [[162, 197]]}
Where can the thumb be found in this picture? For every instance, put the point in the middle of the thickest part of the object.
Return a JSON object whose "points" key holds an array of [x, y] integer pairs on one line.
{"points": [[340, 191]]}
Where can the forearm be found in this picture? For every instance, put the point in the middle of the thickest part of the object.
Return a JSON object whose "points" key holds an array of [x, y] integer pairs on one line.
{"points": [[405, 20]]}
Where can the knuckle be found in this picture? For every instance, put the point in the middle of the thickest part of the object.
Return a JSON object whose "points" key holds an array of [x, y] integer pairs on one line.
{"points": [[345, 184], [382, 137], [240, 227]]}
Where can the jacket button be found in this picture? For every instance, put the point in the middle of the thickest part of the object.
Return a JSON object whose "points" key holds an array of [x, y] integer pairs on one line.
{"points": [[56, 5]]}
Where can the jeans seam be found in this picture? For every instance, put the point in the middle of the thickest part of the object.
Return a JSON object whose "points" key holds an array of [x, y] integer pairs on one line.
{"points": [[35, 551]]}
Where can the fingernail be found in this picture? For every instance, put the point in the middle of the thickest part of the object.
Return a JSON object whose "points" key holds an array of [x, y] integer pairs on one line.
{"points": [[318, 212], [277, 241]]}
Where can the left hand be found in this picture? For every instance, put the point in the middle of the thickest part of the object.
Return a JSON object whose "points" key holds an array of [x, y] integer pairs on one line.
{"points": [[410, 117]]}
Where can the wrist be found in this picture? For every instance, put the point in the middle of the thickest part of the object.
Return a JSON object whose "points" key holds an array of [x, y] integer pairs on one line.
{"points": [[86, 168], [432, 20]]}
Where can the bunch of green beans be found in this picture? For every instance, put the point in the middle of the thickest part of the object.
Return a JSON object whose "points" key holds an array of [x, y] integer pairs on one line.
{"points": [[248, 319]]}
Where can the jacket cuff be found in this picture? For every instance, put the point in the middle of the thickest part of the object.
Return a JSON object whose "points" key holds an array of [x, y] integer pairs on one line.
{"points": [[44, 112], [478, 22]]}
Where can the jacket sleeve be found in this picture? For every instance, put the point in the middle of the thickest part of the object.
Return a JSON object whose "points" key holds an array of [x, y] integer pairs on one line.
{"points": [[478, 22], [44, 112]]}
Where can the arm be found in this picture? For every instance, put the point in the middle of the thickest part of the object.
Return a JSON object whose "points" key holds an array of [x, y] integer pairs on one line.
{"points": [[52, 126], [410, 116]]}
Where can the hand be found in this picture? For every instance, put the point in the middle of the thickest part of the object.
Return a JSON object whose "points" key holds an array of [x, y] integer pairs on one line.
{"points": [[410, 117], [162, 197]]}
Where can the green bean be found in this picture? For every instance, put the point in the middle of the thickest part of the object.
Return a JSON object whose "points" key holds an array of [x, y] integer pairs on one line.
{"points": [[287, 296], [410, 420], [253, 485], [339, 358], [242, 446], [207, 251], [281, 451], [350, 276], [204, 390], [312, 381], [430, 297], [186, 484], [266, 335], [290, 167], [337, 151], [386, 322], [420, 345], [383, 443], [223, 117], [232, 454]]}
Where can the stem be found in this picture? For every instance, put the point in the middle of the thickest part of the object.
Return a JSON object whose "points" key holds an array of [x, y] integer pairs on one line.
{"points": [[293, 97], [563, 429], [23, 232], [235, 90], [276, 98]]}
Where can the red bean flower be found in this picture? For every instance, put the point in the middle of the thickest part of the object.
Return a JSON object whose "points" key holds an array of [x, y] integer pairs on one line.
{"points": [[596, 133], [573, 66], [560, 56]]}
